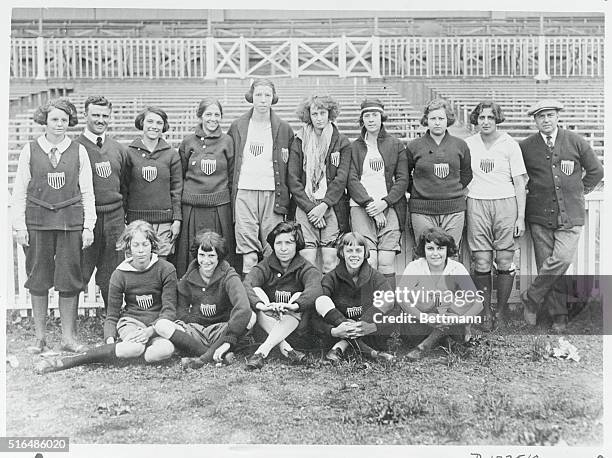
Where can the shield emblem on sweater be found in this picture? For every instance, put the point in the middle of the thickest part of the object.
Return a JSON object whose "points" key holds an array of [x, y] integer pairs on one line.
{"points": [[353, 312], [256, 149], [377, 164], [56, 180], [441, 170], [335, 158], [282, 296], [567, 167], [208, 166], [149, 173], [103, 169], [145, 301], [487, 165], [208, 310], [285, 154]]}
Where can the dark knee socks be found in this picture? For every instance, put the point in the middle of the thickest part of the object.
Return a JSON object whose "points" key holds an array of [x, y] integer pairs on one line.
{"points": [[95, 355]]}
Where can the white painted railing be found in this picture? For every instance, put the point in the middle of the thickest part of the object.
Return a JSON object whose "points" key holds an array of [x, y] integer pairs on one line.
{"points": [[212, 58]]}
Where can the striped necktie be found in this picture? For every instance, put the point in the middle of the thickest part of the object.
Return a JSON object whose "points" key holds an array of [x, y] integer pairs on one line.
{"points": [[99, 142], [53, 157], [549, 143]]}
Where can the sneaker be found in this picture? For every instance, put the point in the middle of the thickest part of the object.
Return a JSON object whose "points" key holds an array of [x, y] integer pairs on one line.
{"points": [[295, 357], [44, 366], [334, 355], [415, 354], [559, 324], [383, 356], [529, 309], [40, 346], [256, 361]]}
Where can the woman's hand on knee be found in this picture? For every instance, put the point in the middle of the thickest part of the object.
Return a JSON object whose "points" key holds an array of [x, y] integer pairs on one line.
{"points": [[219, 352]]}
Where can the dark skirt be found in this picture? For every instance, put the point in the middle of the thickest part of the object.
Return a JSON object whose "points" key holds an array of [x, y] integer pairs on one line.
{"points": [[195, 219]]}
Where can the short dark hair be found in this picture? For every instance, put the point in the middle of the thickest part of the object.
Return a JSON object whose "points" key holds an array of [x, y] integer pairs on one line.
{"points": [[158, 111], [208, 241], [325, 102], [287, 227], [440, 237], [495, 108], [261, 82], [437, 104], [352, 239], [98, 100], [125, 239], [62, 103], [205, 103]]}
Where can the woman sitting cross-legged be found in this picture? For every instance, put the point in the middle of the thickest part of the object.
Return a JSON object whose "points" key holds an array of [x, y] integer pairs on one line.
{"points": [[147, 284], [213, 309], [346, 309], [282, 290], [444, 288]]}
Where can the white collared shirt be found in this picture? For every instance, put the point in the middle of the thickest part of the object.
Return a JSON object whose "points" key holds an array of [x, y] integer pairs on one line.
{"points": [[553, 136], [89, 135], [23, 177]]}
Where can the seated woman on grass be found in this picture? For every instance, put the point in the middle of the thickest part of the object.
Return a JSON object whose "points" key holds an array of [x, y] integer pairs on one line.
{"points": [[147, 284], [346, 308], [213, 309], [445, 291], [282, 290]]}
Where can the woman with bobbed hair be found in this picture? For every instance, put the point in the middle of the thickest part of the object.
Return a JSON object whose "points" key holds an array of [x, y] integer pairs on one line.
{"points": [[207, 159], [495, 206], [282, 290], [345, 311], [54, 216], [155, 180], [446, 289], [147, 286], [213, 309], [377, 182], [319, 160], [441, 170]]}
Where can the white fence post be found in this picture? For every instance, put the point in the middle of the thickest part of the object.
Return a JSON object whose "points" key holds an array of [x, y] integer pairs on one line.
{"points": [[375, 57], [40, 59], [342, 57], [211, 60]]}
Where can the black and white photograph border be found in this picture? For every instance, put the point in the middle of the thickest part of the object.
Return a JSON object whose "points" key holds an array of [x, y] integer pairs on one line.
{"points": [[374, 408]]}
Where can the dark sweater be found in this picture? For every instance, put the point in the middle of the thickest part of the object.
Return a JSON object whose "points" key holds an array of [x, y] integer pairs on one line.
{"points": [[223, 300], [438, 190], [552, 192], [208, 168], [153, 195], [149, 294], [53, 198], [108, 170], [301, 276], [336, 175], [282, 136], [397, 179], [354, 301]]}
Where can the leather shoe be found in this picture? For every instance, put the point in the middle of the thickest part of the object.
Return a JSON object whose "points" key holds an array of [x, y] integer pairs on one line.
{"points": [[255, 362], [529, 309], [295, 357], [383, 356], [334, 355], [415, 354], [39, 346], [559, 324], [44, 366]]}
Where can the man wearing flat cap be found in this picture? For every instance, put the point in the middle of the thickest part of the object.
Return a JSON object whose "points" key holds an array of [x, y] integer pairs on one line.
{"points": [[555, 159]]}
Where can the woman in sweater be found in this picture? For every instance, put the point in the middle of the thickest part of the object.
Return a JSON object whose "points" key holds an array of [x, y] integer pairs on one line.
{"points": [[345, 311], [446, 291], [147, 286], [317, 172], [213, 309], [377, 182], [282, 290], [441, 170], [155, 180], [207, 158]]}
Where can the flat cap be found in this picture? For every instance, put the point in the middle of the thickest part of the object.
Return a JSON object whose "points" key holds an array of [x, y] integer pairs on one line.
{"points": [[546, 104]]}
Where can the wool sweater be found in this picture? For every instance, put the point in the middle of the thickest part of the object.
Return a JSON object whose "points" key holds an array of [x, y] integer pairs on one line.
{"points": [[207, 160], [397, 179], [301, 276], [353, 300], [223, 300], [155, 183], [149, 294], [108, 168], [337, 162], [53, 193], [282, 136], [440, 174], [556, 183]]}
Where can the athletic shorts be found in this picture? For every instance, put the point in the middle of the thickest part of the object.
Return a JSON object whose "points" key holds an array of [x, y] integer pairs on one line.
{"points": [[127, 325], [314, 237], [255, 219], [452, 223], [166, 247], [385, 239], [490, 224], [206, 335]]}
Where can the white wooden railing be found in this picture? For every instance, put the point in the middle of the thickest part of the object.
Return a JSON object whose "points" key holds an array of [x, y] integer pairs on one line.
{"points": [[212, 58], [586, 262]]}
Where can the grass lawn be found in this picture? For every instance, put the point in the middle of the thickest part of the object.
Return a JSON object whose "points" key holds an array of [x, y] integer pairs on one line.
{"points": [[502, 390]]}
